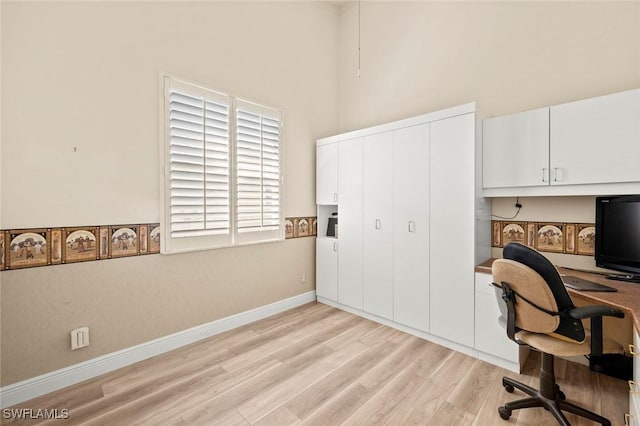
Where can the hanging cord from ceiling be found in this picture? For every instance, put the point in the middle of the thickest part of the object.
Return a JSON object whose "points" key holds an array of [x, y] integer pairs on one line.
{"points": [[359, 3]]}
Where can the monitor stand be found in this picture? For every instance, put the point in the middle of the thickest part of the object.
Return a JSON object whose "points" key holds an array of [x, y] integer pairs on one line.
{"points": [[624, 277]]}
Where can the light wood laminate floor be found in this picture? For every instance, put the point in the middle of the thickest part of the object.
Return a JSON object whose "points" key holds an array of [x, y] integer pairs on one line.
{"points": [[316, 365]]}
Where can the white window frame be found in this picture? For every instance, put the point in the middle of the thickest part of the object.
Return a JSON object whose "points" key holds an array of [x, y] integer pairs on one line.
{"points": [[169, 244]]}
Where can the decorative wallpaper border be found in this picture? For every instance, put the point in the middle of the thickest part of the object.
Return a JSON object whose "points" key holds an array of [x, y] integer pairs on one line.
{"points": [[33, 247], [553, 237], [29, 248], [296, 227]]}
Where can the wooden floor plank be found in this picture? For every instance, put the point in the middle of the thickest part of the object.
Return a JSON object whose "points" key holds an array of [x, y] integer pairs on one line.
{"points": [[308, 401], [265, 402], [282, 416], [315, 365], [251, 388]]}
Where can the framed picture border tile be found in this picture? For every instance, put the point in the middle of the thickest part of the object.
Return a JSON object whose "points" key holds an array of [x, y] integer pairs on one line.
{"points": [[580, 246], [123, 250], [507, 224], [548, 226], [68, 257], [14, 235]]}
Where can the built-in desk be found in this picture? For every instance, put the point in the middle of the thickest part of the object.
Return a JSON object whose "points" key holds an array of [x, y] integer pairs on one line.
{"points": [[627, 298]]}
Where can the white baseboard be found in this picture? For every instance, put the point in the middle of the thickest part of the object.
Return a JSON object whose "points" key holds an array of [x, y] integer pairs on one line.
{"points": [[49, 382]]}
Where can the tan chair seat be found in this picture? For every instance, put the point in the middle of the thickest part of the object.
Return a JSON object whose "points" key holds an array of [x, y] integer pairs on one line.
{"points": [[555, 346]]}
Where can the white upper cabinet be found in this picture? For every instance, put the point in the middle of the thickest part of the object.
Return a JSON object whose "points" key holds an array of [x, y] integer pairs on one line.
{"points": [[327, 174], [596, 140], [587, 147], [515, 150]]}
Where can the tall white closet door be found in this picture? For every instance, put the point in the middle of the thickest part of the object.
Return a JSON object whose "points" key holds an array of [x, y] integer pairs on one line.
{"points": [[377, 223], [411, 227], [350, 259], [452, 229]]}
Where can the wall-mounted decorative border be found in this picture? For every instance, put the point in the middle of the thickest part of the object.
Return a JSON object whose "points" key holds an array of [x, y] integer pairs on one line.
{"points": [[30, 248], [553, 237], [297, 227]]}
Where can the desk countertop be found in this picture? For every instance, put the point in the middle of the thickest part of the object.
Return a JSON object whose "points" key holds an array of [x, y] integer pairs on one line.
{"points": [[627, 298]]}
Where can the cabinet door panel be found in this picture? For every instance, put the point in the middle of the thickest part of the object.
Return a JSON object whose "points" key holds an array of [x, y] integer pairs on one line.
{"points": [[491, 335], [634, 398], [327, 174], [377, 223], [596, 140], [411, 227], [452, 228], [350, 259], [515, 150], [327, 268]]}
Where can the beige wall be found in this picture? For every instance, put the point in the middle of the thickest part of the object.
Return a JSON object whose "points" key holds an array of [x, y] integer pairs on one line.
{"points": [[86, 75], [506, 56], [418, 57]]}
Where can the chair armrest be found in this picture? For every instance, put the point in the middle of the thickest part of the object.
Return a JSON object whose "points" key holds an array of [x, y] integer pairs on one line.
{"points": [[595, 311]]}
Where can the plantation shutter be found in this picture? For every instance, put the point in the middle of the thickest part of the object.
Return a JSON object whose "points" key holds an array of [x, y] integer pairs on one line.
{"points": [[222, 162], [199, 167], [258, 192]]}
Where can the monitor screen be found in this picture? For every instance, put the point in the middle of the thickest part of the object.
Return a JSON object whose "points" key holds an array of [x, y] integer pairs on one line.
{"points": [[618, 233]]}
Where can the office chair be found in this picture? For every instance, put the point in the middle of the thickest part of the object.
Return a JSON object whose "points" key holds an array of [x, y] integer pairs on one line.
{"points": [[540, 314]]}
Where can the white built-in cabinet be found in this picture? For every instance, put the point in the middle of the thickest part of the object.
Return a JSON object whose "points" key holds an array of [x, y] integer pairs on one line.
{"points": [[377, 224], [596, 140], [633, 418], [516, 150], [327, 174], [406, 240], [350, 225], [491, 339], [411, 260], [327, 197], [327, 268], [452, 161], [586, 147]]}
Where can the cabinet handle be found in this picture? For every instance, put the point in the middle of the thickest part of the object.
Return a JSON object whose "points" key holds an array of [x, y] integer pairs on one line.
{"points": [[557, 174], [335, 246], [335, 196], [412, 226], [545, 172], [633, 350], [633, 388], [378, 224], [627, 419]]}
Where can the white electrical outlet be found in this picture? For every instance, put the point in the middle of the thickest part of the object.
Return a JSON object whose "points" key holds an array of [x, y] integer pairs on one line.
{"points": [[79, 338], [303, 278]]}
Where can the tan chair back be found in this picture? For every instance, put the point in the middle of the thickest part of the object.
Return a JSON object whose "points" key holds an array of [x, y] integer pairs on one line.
{"points": [[533, 287]]}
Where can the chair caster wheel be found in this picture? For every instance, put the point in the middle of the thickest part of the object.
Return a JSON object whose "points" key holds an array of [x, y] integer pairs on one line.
{"points": [[508, 388], [504, 412]]}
